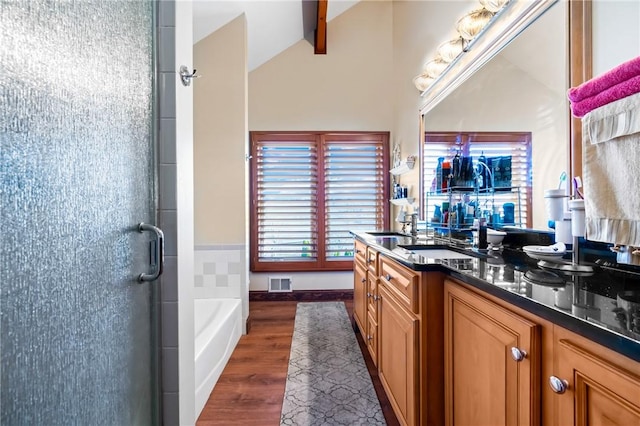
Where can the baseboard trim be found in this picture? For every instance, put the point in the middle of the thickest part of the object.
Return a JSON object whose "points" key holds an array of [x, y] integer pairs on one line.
{"points": [[301, 295], [248, 323]]}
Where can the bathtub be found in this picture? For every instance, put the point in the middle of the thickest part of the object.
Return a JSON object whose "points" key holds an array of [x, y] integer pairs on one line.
{"points": [[218, 327]]}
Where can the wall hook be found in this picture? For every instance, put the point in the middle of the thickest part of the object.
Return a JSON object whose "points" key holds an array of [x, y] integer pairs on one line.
{"points": [[186, 76]]}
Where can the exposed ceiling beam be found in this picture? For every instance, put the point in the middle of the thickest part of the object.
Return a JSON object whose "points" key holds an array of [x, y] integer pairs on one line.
{"points": [[320, 39]]}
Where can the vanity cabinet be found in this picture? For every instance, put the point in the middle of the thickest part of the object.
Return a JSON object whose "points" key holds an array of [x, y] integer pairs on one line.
{"points": [[398, 358], [593, 385], [561, 379], [409, 331], [492, 362]]}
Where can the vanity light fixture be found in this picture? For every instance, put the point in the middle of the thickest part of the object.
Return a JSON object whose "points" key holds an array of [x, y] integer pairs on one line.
{"points": [[469, 26]]}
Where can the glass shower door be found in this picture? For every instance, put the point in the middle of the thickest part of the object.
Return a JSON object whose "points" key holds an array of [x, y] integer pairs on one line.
{"points": [[76, 177]]}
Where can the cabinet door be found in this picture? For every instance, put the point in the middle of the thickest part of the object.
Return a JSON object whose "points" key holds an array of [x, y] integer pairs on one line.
{"points": [[597, 391], [360, 296], [372, 295], [372, 337], [397, 356], [484, 383]]}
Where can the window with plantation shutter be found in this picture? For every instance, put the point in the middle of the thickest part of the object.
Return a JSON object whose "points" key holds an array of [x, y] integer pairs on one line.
{"points": [[308, 191], [516, 145]]}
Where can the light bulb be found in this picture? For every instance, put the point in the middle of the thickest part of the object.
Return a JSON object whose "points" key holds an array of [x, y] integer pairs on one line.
{"points": [[422, 82], [472, 23], [450, 50], [493, 5], [434, 68]]}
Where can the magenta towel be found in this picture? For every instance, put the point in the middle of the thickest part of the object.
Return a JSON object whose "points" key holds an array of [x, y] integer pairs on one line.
{"points": [[617, 75], [621, 90]]}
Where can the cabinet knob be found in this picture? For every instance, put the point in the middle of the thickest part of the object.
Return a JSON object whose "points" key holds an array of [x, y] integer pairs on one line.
{"points": [[369, 337], [369, 261], [376, 297], [368, 294], [558, 385], [518, 354], [364, 280], [358, 251], [388, 277]]}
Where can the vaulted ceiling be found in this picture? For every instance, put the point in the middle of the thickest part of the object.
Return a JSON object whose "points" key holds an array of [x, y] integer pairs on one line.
{"points": [[272, 25]]}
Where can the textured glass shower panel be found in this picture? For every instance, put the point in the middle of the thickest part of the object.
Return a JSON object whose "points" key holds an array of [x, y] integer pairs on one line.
{"points": [[76, 177]]}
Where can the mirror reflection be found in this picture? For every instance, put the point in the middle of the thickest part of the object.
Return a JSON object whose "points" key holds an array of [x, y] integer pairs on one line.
{"points": [[515, 106]]}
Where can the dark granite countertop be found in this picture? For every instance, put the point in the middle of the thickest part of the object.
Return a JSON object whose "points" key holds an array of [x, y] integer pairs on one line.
{"points": [[594, 305]]}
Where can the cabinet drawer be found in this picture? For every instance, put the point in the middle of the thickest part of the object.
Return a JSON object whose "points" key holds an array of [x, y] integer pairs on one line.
{"points": [[360, 252], [372, 261], [402, 283]]}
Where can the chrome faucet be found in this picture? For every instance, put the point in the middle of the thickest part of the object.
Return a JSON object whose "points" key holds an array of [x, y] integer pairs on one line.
{"points": [[488, 172], [414, 224]]}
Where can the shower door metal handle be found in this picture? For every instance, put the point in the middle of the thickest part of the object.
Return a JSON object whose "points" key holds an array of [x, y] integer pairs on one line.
{"points": [[157, 254]]}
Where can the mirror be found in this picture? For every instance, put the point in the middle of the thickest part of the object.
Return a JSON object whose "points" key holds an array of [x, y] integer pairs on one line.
{"points": [[521, 89]]}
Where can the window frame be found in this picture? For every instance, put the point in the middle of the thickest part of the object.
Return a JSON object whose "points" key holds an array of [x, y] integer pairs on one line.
{"points": [[321, 264], [466, 138]]}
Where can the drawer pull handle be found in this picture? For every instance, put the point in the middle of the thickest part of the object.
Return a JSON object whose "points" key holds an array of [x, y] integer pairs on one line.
{"points": [[518, 354], [558, 385], [388, 277]]}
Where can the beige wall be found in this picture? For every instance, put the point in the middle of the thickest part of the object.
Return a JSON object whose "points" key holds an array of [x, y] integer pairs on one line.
{"points": [[349, 88], [220, 135], [416, 35], [615, 24]]}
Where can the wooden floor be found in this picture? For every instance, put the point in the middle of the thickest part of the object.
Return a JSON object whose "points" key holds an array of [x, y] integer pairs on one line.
{"points": [[251, 388]]}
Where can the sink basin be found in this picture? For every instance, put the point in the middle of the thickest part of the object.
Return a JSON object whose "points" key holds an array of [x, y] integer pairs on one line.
{"points": [[440, 253], [386, 234]]}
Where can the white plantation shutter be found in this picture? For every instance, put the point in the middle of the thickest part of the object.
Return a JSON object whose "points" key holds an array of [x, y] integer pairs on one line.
{"points": [[308, 191], [286, 199], [354, 176]]}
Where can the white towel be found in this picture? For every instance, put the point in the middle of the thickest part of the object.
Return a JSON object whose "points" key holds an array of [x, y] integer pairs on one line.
{"points": [[611, 172]]}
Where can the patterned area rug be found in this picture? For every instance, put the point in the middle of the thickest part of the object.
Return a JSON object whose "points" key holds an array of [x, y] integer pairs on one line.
{"points": [[327, 382]]}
